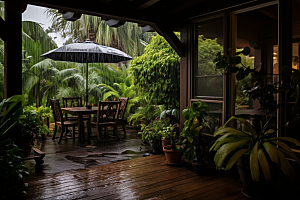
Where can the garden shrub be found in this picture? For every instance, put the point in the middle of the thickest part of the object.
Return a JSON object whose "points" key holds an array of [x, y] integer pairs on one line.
{"points": [[156, 73]]}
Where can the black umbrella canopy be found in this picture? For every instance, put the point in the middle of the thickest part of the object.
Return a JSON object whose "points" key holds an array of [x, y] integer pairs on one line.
{"points": [[87, 52]]}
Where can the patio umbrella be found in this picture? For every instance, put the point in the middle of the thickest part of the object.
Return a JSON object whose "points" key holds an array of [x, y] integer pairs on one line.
{"points": [[87, 52]]}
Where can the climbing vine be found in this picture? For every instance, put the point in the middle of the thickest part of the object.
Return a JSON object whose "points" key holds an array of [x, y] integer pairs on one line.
{"points": [[156, 73]]}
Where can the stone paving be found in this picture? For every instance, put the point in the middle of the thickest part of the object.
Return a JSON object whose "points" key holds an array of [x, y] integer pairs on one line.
{"points": [[73, 155]]}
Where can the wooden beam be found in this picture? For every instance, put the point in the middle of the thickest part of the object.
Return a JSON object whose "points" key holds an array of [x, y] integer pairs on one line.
{"points": [[104, 10], [13, 49], [268, 14], [147, 4], [188, 36], [285, 53], [183, 5], [230, 37], [172, 39], [3, 29]]}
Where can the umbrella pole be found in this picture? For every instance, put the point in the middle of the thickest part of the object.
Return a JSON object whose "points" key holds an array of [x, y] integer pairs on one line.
{"points": [[86, 85]]}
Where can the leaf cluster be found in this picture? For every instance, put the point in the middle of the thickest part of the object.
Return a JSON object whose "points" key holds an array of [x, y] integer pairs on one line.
{"points": [[168, 133], [12, 169], [152, 133], [262, 146], [260, 85], [147, 112], [13, 114], [196, 120], [234, 143], [32, 125], [156, 73]]}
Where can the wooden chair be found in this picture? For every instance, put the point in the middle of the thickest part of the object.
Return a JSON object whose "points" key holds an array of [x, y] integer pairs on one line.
{"points": [[73, 102], [59, 120], [107, 116], [124, 102]]}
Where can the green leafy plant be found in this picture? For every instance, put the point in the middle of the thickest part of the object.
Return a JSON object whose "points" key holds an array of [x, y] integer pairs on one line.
{"points": [[12, 169], [196, 120], [147, 112], [156, 73], [32, 125], [168, 133], [152, 133], [173, 114], [235, 143], [13, 113], [262, 146], [42, 111]]}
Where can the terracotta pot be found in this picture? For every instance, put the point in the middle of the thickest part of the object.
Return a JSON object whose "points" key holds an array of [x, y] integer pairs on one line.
{"points": [[172, 157], [142, 121], [165, 142], [252, 189], [26, 147], [200, 168]]}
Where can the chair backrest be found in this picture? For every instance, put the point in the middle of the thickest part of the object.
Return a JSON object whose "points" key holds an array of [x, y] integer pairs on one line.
{"points": [[124, 102], [72, 102], [108, 111], [57, 113]]}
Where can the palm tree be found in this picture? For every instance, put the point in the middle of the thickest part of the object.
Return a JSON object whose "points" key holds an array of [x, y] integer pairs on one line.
{"points": [[122, 91], [38, 73], [126, 38], [75, 84]]}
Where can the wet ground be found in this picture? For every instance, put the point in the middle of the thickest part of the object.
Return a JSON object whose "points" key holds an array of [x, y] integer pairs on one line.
{"points": [[73, 155]]}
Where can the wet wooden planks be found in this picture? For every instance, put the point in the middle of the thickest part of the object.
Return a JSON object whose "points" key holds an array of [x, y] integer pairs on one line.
{"points": [[141, 178]]}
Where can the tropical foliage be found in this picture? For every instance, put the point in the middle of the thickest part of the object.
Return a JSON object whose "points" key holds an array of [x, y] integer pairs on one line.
{"points": [[196, 121], [261, 146], [156, 73], [128, 38], [12, 168], [207, 49]]}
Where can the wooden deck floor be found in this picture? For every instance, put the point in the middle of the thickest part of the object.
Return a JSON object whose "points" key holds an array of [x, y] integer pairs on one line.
{"points": [[141, 178]]}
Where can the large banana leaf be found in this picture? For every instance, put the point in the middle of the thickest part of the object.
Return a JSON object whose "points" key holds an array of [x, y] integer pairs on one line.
{"points": [[225, 150], [264, 165], [234, 158], [285, 166], [286, 139], [254, 168], [271, 151]]}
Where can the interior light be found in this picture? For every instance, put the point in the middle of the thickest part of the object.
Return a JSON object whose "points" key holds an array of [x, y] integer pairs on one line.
{"points": [[275, 53], [252, 57], [274, 58]]}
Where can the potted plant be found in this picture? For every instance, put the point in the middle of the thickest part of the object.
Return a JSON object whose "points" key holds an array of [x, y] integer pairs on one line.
{"points": [[192, 140], [171, 151], [173, 155], [166, 135], [43, 113], [256, 152], [152, 133], [30, 126]]}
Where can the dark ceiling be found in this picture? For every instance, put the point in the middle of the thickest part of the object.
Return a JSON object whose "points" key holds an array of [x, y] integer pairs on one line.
{"points": [[170, 13]]}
